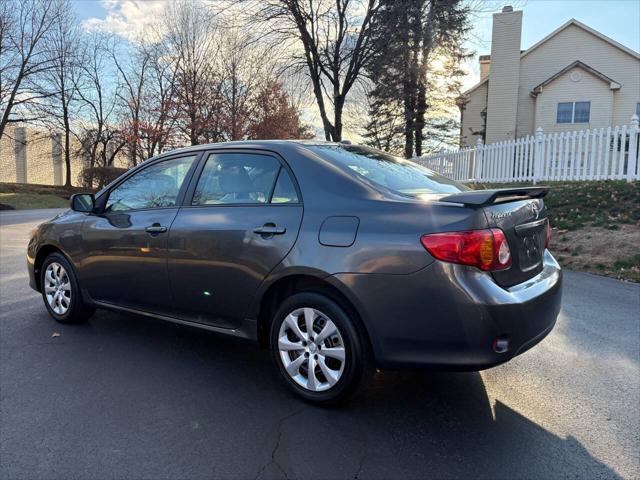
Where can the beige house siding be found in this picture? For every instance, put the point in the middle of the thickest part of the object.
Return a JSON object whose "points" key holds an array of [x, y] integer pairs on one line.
{"points": [[571, 44], [588, 88], [504, 76], [473, 119]]}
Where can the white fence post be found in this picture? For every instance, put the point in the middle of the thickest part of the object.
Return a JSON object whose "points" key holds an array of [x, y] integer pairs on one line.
{"points": [[479, 160], [633, 151], [538, 160]]}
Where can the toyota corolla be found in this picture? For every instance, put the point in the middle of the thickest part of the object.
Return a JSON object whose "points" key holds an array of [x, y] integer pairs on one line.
{"points": [[338, 258]]}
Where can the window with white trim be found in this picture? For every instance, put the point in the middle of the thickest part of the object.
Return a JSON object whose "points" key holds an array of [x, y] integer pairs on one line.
{"points": [[573, 112]]}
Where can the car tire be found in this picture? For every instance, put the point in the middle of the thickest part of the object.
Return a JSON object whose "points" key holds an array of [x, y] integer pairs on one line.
{"points": [[294, 350], [61, 291]]}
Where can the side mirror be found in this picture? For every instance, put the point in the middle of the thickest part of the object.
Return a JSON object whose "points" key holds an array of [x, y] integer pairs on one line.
{"points": [[82, 202]]}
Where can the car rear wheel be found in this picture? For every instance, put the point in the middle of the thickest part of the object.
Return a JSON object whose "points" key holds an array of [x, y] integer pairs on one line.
{"points": [[61, 292], [317, 348]]}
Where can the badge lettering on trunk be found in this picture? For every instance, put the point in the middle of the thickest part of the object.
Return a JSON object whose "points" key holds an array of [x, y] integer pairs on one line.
{"points": [[500, 215]]}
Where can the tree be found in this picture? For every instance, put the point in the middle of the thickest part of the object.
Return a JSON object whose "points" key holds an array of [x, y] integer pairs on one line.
{"points": [[158, 116], [101, 136], [275, 117], [411, 37], [244, 74], [192, 47], [24, 54], [133, 78], [332, 44], [385, 127], [57, 85]]}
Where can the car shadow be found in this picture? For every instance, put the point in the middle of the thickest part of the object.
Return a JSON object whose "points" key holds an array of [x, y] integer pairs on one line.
{"points": [[202, 405]]}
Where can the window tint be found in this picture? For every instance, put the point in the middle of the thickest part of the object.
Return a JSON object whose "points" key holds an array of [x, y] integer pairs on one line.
{"points": [[153, 187], [229, 178], [284, 191], [565, 113], [581, 112], [394, 173]]}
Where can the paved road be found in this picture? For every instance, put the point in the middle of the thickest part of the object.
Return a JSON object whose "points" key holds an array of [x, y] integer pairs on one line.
{"points": [[131, 397]]}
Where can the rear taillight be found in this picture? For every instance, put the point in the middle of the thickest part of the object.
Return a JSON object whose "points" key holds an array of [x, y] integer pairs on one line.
{"points": [[547, 239], [486, 249]]}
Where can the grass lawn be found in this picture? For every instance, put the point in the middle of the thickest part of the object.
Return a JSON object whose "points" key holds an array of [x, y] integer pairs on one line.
{"points": [[596, 226], [26, 201]]}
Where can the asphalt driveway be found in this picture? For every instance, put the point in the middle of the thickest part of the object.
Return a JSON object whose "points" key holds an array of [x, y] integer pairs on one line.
{"points": [[129, 397]]}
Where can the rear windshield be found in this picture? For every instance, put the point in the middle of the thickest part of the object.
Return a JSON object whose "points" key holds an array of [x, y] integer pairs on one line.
{"points": [[393, 173]]}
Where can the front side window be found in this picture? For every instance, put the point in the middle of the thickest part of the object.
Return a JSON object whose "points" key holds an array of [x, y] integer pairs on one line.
{"points": [[393, 173], [573, 112], [236, 178], [156, 186]]}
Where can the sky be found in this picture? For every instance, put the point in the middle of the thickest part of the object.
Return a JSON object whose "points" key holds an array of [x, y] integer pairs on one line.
{"points": [[618, 19]]}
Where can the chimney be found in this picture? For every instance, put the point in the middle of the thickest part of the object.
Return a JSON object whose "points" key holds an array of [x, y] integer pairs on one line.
{"points": [[504, 75], [485, 66]]}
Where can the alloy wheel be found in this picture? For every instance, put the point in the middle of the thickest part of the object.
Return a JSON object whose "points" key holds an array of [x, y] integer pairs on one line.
{"points": [[57, 288], [312, 349]]}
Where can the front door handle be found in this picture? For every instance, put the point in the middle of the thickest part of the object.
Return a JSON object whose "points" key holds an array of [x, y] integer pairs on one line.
{"points": [[155, 228], [270, 229]]}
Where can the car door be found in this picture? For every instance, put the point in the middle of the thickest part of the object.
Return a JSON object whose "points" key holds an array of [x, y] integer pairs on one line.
{"points": [[239, 223], [125, 245]]}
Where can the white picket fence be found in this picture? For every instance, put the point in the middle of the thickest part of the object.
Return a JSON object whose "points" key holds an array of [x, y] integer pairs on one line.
{"points": [[596, 154]]}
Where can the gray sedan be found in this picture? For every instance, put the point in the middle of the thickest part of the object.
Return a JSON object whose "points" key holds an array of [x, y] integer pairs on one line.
{"points": [[338, 258]]}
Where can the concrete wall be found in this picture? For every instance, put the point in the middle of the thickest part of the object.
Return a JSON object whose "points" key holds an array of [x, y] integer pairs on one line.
{"points": [[504, 76], [35, 156]]}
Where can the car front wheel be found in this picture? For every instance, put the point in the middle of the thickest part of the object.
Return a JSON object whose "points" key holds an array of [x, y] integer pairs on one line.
{"points": [[317, 348], [61, 292]]}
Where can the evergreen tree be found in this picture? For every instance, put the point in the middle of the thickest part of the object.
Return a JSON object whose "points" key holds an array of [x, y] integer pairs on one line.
{"points": [[415, 71]]}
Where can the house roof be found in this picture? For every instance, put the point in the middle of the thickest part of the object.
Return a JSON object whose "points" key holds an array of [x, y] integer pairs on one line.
{"points": [[475, 87], [613, 85], [566, 25], [586, 28]]}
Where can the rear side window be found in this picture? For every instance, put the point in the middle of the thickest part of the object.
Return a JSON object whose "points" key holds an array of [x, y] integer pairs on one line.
{"points": [[393, 173], [236, 178], [284, 191]]}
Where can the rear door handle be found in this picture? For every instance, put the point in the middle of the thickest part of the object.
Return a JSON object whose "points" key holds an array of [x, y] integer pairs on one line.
{"points": [[270, 229], [155, 228]]}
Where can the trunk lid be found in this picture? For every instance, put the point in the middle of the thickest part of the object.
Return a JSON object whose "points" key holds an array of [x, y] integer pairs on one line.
{"points": [[520, 213]]}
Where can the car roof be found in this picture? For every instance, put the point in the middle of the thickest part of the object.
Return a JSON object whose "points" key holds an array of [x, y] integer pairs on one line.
{"points": [[248, 143]]}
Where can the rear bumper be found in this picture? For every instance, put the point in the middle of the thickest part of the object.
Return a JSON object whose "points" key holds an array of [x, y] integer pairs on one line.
{"points": [[448, 316]]}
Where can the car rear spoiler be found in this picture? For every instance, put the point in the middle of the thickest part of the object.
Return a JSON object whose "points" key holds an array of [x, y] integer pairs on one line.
{"points": [[482, 198]]}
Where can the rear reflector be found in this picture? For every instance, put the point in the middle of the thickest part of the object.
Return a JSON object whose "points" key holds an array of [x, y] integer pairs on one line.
{"points": [[547, 240], [486, 249]]}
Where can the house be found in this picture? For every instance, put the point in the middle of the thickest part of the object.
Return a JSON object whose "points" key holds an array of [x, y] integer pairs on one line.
{"points": [[574, 78]]}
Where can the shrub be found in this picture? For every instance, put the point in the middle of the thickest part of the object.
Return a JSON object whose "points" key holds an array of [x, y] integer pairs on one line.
{"points": [[98, 177]]}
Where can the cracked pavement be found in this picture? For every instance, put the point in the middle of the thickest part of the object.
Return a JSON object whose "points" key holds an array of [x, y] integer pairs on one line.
{"points": [[129, 397]]}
